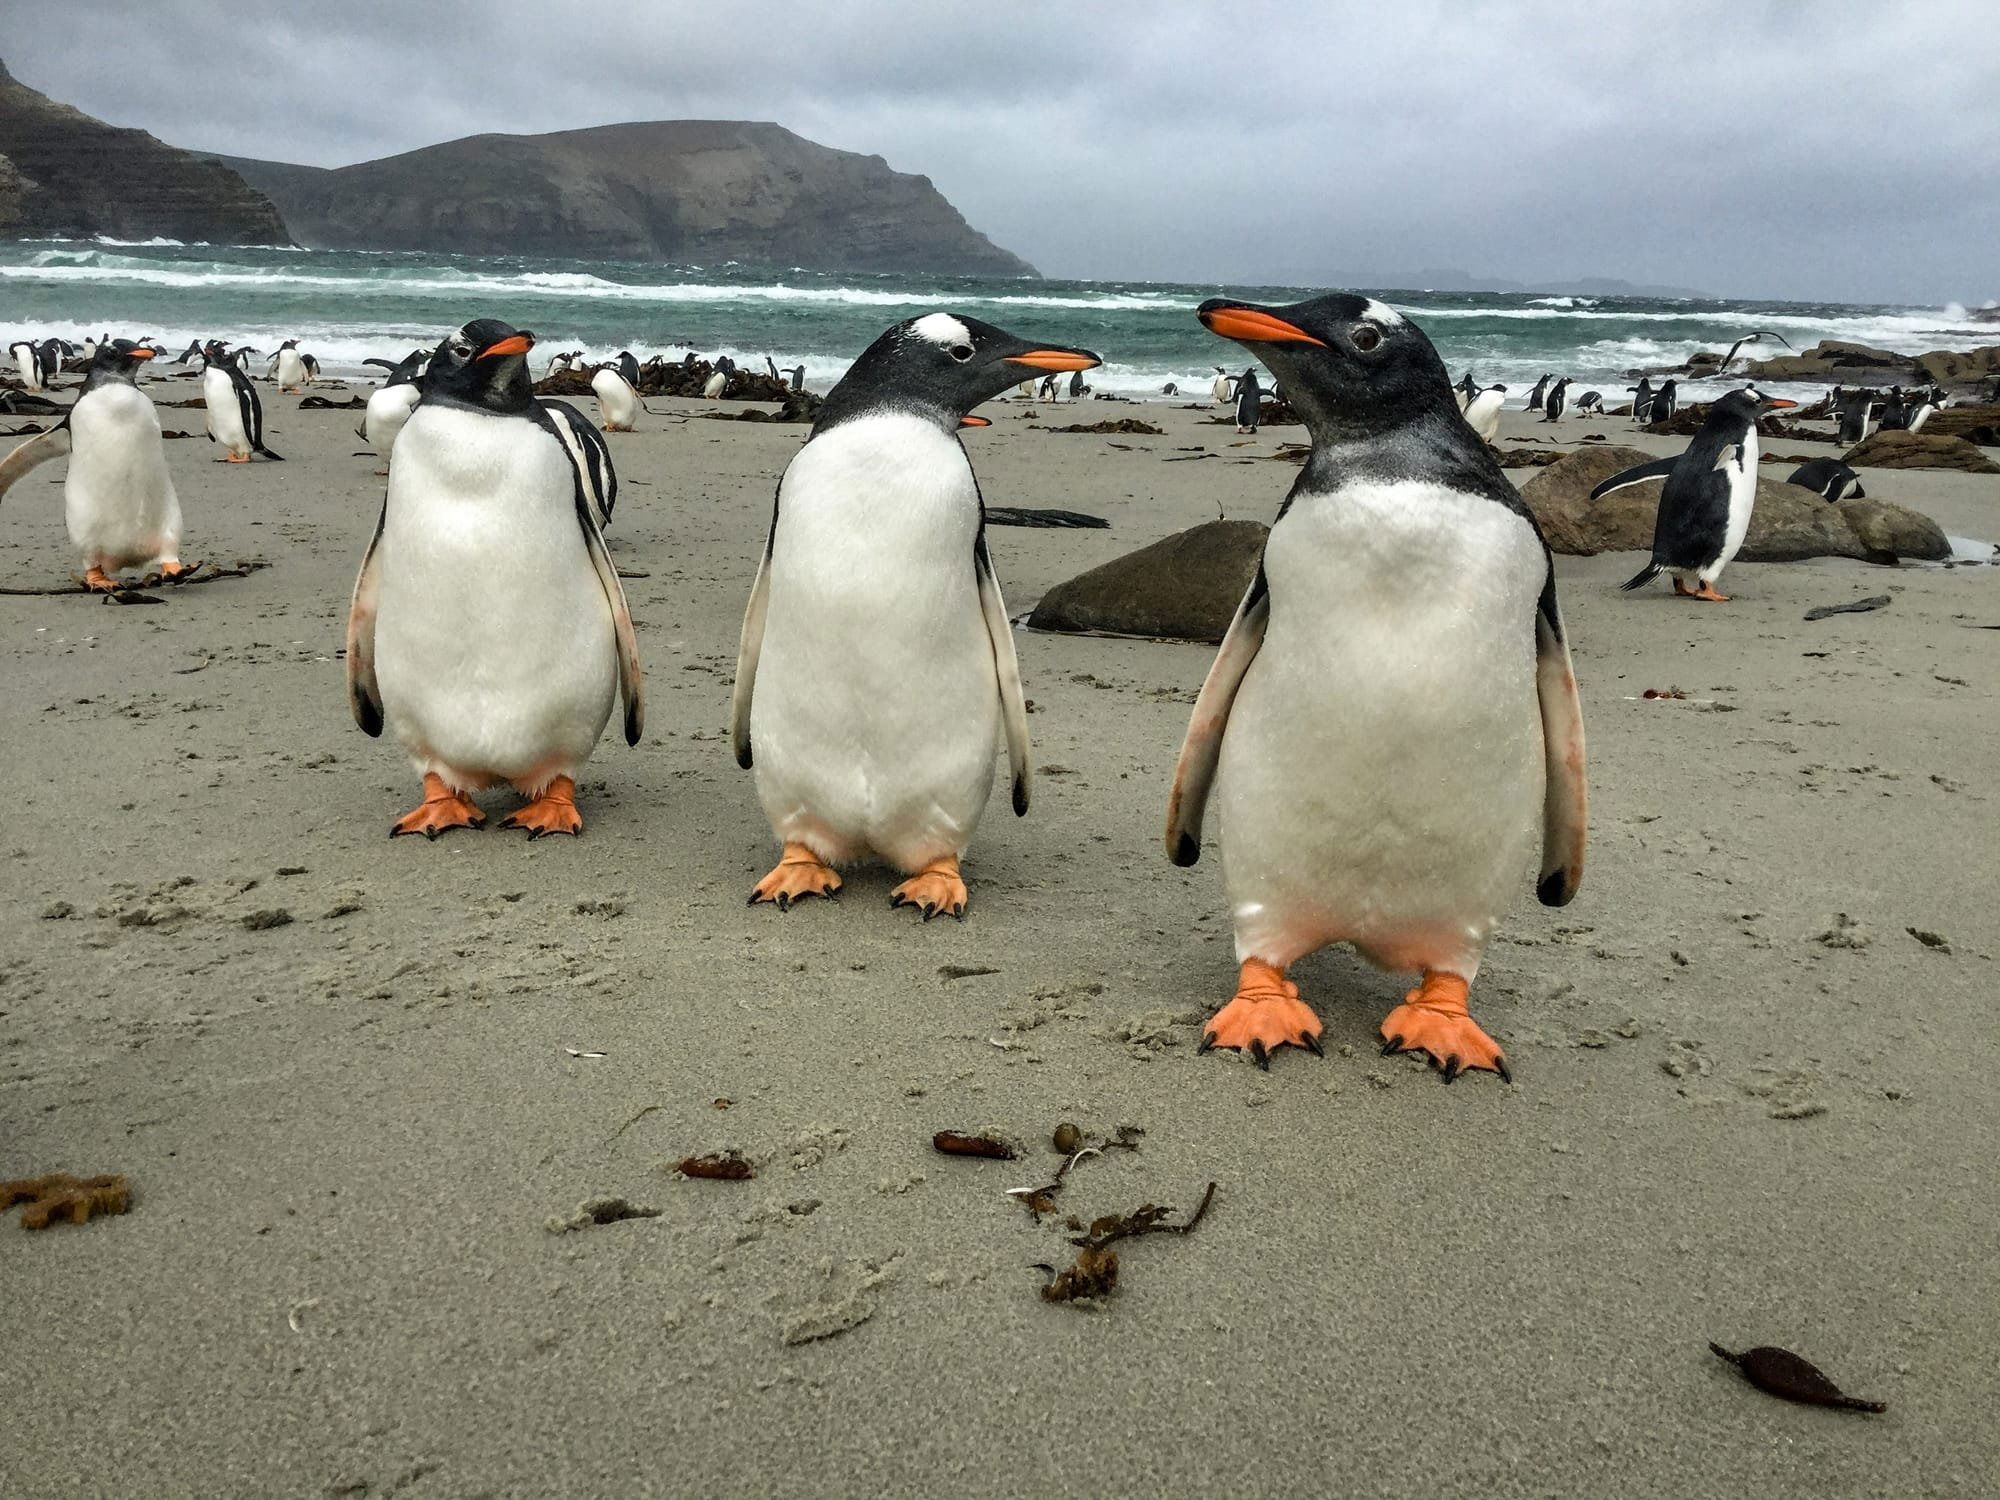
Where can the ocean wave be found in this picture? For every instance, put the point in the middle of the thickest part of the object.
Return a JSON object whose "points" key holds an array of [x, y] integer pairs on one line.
{"points": [[156, 242]]}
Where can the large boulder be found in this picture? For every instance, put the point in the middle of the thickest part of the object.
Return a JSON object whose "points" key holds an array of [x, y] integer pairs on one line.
{"points": [[1789, 524], [1960, 366], [1918, 450], [1184, 587]]}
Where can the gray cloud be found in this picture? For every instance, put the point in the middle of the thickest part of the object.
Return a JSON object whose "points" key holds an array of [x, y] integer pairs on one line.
{"points": [[1840, 151]]}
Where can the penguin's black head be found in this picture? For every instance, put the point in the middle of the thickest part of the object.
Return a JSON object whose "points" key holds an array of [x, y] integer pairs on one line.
{"points": [[118, 360], [943, 365], [1349, 365], [483, 365], [1751, 403]]}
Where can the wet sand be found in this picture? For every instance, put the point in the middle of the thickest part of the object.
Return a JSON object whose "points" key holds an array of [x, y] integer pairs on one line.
{"points": [[1750, 1105]]}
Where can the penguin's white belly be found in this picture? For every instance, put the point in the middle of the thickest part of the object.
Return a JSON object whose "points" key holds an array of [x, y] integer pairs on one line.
{"points": [[388, 409], [291, 369], [225, 413], [1742, 500], [616, 400], [493, 639], [876, 711], [1482, 414], [1381, 775], [118, 499], [30, 366]]}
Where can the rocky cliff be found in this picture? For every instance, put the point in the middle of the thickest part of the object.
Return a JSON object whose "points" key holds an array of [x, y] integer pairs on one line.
{"points": [[65, 173], [700, 191]]}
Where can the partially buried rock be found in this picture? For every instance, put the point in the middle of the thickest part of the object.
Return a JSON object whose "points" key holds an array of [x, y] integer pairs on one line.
{"points": [[1184, 587], [1789, 524], [1919, 450]]}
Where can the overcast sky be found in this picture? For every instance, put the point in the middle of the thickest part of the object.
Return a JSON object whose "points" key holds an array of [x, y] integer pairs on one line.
{"points": [[1835, 150]]}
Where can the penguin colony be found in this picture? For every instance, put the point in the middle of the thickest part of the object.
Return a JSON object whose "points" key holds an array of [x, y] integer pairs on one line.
{"points": [[1390, 729]]}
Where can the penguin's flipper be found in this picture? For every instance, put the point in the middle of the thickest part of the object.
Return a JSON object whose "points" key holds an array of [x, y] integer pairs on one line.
{"points": [[631, 682], [1007, 668], [1660, 468], [1202, 749], [364, 697], [32, 454], [1566, 799], [750, 645]]}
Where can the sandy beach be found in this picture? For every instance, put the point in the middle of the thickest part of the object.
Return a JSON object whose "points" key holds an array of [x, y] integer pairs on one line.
{"points": [[359, 1085]]}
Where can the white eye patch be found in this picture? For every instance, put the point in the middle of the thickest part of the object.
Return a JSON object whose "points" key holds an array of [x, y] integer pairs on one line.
{"points": [[942, 329], [1387, 316]]}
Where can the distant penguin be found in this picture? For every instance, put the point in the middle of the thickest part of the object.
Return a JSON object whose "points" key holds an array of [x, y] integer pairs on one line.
{"points": [[1539, 393], [118, 498], [1390, 732], [796, 378], [390, 404], [876, 676], [1666, 401], [51, 355], [1170, 389], [89, 348], [1590, 404], [1860, 416], [1895, 415], [1482, 412], [1552, 404], [1048, 390], [289, 367], [28, 361], [1467, 390], [1249, 402], [235, 411], [1642, 401], [1221, 390], [1830, 478], [1076, 386], [615, 387], [715, 385], [1919, 410], [488, 628], [1705, 504], [559, 364]]}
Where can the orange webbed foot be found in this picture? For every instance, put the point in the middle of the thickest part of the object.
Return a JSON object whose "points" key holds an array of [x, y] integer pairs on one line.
{"points": [[442, 810], [1433, 1020], [99, 580], [1265, 1014], [799, 873], [934, 889], [178, 572], [552, 812], [1707, 591]]}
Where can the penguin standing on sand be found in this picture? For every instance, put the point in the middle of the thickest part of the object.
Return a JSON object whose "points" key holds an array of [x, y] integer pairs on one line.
{"points": [[291, 368], [235, 413], [1552, 404], [488, 626], [1482, 412], [1391, 725], [1642, 400], [1220, 391], [28, 360], [1859, 417], [1590, 404], [717, 382], [118, 499], [877, 676], [1828, 477], [390, 403], [1249, 402], [1706, 502], [1666, 401], [616, 388], [1077, 389], [1539, 393]]}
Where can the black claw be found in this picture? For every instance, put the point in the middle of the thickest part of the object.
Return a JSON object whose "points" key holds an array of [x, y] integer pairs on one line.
{"points": [[895, 901], [1500, 1067], [753, 899], [929, 912], [1394, 1044], [1311, 1044], [1207, 1043], [1451, 1069], [959, 915], [784, 901], [1263, 1057]]}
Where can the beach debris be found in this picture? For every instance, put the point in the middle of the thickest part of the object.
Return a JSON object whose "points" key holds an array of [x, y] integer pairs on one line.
{"points": [[326, 403], [295, 1315], [577, 1052], [594, 1211], [59, 1198], [1021, 515], [718, 1166], [1093, 1276], [1781, 1373], [264, 921], [852, 1294], [1654, 694], [1094, 1273], [1935, 941], [949, 972], [1844, 932], [1858, 607], [1067, 1138], [958, 1143], [1130, 425]]}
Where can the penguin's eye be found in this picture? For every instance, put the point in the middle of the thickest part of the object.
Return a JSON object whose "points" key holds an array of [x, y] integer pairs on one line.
{"points": [[1366, 337], [960, 352], [463, 351]]}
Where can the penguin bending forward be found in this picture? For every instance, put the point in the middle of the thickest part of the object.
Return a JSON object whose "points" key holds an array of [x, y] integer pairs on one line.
{"points": [[1706, 502], [877, 675], [118, 498], [615, 386], [488, 625], [1391, 725]]}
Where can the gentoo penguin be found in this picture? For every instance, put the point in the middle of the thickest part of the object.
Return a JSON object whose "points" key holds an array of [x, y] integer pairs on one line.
{"points": [[1221, 390], [1552, 404], [590, 453], [716, 384], [793, 379], [118, 498], [1666, 401], [1170, 389], [292, 369], [1077, 389], [1539, 393], [1748, 338], [1249, 402], [1919, 412], [1590, 404], [877, 675], [1391, 724], [51, 355], [1828, 477], [1467, 389], [1706, 502], [488, 625], [88, 349], [28, 360], [1859, 419], [1482, 412], [557, 365], [390, 403], [1049, 392], [1642, 400], [615, 386], [235, 414]]}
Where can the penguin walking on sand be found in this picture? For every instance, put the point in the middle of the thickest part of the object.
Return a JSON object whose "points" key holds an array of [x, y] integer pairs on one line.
{"points": [[1552, 404], [1666, 401], [1642, 400], [1828, 478], [1858, 419], [717, 382], [292, 369], [235, 412], [1391, 725], [616, 388], [28, 361], [1482, 412], [1249, 402], [1706, 502], [877, 676], [118, 498], [1539, 393], [1223, 387], [488, 627], [390, 404]]}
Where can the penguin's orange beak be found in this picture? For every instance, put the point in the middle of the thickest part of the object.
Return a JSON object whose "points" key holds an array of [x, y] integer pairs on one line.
{"points": [[1778, 403], [1252, 327], [142, 352], [520, 343], [1054, 359], [974, 422]]}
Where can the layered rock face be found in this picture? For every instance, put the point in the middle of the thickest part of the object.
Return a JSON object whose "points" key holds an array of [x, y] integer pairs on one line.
{"points": [[701, 191], [64, 173]]}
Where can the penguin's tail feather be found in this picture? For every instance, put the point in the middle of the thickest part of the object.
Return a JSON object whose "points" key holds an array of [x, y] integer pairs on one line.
{"points": [[1641, 578], [276, 458]]}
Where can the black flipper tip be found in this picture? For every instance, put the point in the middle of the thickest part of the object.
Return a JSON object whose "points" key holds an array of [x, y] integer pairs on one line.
{"points": [[1555, 889], [1188, 850]]}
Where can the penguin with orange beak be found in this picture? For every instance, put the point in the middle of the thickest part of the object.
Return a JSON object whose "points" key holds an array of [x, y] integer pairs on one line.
{"points": [[1391, 727], [488, 627], [876, 678]]}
